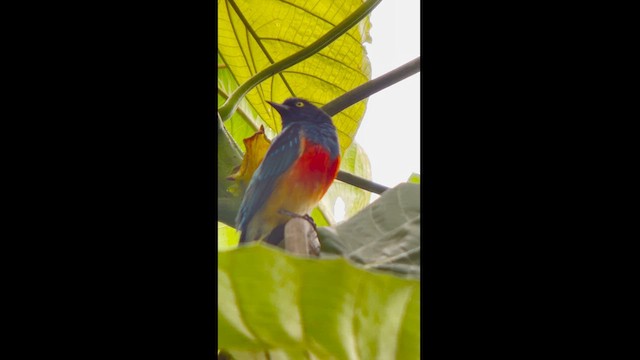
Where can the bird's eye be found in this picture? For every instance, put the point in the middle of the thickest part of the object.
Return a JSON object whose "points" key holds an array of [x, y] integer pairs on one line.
{"points": [[299, 104]]}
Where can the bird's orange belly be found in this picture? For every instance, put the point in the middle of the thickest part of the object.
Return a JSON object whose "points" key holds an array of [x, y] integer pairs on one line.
{"points": [[300, 189]]}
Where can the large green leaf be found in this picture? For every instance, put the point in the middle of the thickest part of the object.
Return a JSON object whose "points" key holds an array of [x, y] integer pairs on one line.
{"points": [[255, 34], [275, 305], [384, 236]]}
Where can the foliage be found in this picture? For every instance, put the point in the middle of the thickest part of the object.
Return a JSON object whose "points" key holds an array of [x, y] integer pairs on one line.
{"points": [[414, 178], [253, 35], [275, 305], [272, 304], [384, 236]]}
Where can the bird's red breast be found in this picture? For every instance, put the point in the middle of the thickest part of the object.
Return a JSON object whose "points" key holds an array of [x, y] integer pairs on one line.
{"points": [[315, 170], [299, 189]]}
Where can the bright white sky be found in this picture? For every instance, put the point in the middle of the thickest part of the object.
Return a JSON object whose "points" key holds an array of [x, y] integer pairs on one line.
{"points": [[390, 130]]}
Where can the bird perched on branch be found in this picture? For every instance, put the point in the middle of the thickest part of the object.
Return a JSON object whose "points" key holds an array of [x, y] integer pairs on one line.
{"points": [[296, 172]]}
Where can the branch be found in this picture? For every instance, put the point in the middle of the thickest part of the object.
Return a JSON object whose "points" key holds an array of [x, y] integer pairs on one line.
{"points": [[362, 183], [371, 87], [301, 238]]}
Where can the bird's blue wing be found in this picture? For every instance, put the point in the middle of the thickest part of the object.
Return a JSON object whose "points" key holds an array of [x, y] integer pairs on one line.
{"points": [[282, 154]]}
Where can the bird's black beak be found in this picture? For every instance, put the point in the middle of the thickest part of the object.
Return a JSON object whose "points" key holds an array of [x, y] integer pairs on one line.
{"points": [[279, 107]]}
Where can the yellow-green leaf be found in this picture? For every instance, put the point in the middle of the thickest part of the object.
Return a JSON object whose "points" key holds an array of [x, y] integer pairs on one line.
{"points": [[255, 34], [274, 305], [228, 237], [414, 178]]}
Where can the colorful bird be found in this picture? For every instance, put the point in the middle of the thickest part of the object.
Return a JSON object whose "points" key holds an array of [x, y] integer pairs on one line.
{"points": [[299, 167]]}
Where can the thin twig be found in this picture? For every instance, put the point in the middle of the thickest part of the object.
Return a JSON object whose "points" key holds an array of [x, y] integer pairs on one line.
{"points": [[362, 183]]}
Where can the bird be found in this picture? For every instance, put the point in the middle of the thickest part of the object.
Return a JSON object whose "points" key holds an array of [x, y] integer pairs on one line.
{"points": [[297, 170]]}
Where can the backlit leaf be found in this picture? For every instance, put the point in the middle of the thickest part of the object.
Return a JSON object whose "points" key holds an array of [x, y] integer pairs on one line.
{"points": [[278, 306], [255, 34], [228, 237], [414, 178], [384, 236]]}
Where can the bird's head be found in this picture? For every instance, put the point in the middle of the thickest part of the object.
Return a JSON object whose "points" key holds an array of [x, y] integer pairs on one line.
{"points": [[296, 109]]}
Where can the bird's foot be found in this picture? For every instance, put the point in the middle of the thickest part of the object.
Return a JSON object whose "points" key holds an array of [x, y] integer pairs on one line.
{"points": [[310, 220], [305, 216]]}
